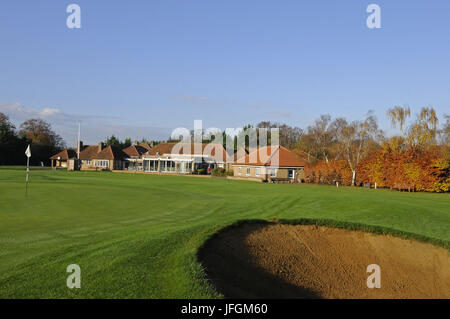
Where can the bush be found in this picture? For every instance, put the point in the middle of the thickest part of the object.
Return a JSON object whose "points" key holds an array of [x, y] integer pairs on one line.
{"points": [[425, 170], [219, 172], [329, 173], [201, 171]]}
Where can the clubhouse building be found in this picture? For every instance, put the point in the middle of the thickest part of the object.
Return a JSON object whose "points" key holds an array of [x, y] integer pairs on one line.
{"points": [[184, 158], [265, 164]]}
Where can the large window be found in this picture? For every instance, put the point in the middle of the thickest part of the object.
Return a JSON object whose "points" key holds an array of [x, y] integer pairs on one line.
{"points": [[258, 171], [273, 172], [248, 171], [102, 163], [167, 166], [163, 166], [153, 166]]}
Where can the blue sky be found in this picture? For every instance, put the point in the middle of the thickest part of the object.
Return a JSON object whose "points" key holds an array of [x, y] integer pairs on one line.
{"points": [[142, 68]]}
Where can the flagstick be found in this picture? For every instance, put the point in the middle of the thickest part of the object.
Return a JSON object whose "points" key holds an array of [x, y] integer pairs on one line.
{"points": [[28, 171], [28, 154]]}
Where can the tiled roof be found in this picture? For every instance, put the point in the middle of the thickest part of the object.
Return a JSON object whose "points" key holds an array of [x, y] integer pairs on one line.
{"points": [[88, 152], [162, 148], [109, 153], [216, 151], [146, 146], [64, 155], [135, 150], [302, 155], [272, 156]]}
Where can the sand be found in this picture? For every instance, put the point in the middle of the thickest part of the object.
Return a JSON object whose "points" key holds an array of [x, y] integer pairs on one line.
{"points": [[298, 261]]}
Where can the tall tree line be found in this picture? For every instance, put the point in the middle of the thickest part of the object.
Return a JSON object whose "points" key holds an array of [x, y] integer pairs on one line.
{"points": [[36, 132]]}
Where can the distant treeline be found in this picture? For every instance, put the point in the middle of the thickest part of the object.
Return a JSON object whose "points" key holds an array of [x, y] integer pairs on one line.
{"points": [[36, 132], [43, 140]]}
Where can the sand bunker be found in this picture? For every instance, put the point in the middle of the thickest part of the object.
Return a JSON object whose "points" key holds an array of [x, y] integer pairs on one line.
{"points": [[287, 261]]}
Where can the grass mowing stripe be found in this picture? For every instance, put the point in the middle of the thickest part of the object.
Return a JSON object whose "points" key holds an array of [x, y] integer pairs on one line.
{"points": [[136, 236]]}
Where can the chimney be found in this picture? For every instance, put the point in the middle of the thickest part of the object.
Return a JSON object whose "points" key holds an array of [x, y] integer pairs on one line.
{"points": [[100, 147], [80, 146]]}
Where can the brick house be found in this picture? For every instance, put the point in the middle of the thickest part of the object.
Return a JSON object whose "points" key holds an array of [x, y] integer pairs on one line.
{"points": [[270, 164], [106, 158], [62, 158]]}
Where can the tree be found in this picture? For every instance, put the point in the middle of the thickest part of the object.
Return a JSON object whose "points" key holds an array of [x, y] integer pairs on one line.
{"points": [[319, 139], [446, 129], [335, 147], [445, 139], [420, 134], [355, 139], [289, 135], [398, 116], [11, 146], [40, 132], [44, 141], [321, 131], [423, 131], [308, 145], [114, 141], [127, 142], [7, 129]]}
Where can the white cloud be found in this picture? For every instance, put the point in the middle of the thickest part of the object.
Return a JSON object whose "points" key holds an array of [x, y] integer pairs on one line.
{"points": [[18, 112], [47, 112], [94, 128]]}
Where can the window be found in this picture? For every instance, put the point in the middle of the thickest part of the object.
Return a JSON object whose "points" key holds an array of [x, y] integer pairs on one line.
{"points": [[258, 171], [273, 172], [291, 173], [88, 162], [153, 166], [248, 171], [163, 166], [240, 171], [102, 163]]}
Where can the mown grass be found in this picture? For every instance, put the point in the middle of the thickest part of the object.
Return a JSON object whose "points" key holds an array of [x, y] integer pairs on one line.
{"points": [[136, 236]]}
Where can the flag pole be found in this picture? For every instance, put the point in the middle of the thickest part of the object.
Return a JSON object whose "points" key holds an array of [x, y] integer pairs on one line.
{"points": [[28, 172], [28, 154]]}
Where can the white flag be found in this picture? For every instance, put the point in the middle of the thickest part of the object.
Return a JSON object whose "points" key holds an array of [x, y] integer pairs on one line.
{"points": [[28, 151]]}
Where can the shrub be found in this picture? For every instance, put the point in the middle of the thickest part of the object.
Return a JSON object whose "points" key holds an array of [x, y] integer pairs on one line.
{"points": [[219, 172], [424, 170], [329, 173]]}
